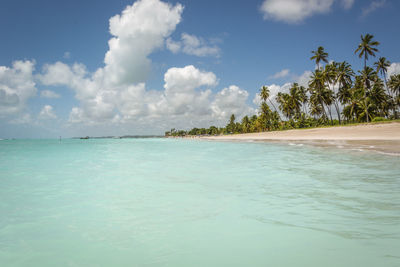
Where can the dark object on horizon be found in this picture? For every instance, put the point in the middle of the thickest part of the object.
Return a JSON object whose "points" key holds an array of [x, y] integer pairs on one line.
{"points": [[87, 137]]}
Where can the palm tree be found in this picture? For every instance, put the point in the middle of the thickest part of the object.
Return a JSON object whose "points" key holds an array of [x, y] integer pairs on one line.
{"points": [[343, 77], [295, 100], [319, 55], [379, 97], [368, 75], [381, 67], [394, 85], [317, 88], [303, 97], [264, 94], [366, 47], [231, 127], [283, 100], [246, 124]]}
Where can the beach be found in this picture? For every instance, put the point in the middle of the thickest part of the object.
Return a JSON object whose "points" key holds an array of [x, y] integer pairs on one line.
{"points": [[382, 137]]}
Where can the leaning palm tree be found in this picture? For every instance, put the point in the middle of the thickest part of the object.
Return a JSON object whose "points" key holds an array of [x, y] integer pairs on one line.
{"points": [[319, 55], [381, 67], [366, 48]]}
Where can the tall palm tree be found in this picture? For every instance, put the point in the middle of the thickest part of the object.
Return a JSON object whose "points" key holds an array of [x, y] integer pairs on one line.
{"points": [[343, 75], [319, 55], [381, 66], [379, 97], [283, 100], [295, 100], [368, 75], [245, 124], [264, 94], [367, 47], [303, 98], [317, 88]]}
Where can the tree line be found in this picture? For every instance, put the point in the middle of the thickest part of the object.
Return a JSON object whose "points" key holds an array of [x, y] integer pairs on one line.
{"points": [[335, 95]]}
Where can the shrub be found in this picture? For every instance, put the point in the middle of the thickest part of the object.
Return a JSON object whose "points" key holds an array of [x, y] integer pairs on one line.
{"points": [[378, 119]]}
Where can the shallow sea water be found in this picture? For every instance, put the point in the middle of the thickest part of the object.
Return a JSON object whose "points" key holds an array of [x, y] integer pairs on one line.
{"points": [[163, 202]]}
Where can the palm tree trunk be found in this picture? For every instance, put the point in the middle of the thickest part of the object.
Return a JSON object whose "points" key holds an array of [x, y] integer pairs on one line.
{"points": [[365, 60], [330, 113], [338, 111], [323, 109]]}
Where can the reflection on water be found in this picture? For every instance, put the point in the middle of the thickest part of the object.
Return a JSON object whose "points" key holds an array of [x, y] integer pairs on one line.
{"points": [[159, 202]]}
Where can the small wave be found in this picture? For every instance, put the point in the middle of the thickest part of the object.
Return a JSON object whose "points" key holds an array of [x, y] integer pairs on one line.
{"points": [[387, 153], [294, 144]]}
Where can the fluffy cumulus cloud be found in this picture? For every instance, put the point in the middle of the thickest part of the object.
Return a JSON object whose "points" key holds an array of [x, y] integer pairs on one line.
{"points": [[192, 45], [16, 87], [117, 94], [394, 68], [137, 32], [295, 11], [47, 113], [231, 100]]}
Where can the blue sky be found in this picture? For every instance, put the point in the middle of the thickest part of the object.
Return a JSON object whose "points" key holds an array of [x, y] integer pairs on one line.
{"points": [[177, 64]]}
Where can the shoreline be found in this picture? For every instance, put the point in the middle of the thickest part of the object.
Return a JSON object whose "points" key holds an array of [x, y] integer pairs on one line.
{"points": [[382, 138]]}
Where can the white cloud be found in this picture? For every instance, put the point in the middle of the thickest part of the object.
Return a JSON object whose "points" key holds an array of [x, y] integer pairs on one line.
{"points": [[192, 45], [116, 93], [47, 113], [304, 78], [173, 46], [231, 100], [347, 4], [374, 5], [394, 68], [137, 32], [281, 74], [16, 87], [49, 94], [182, 96], [22, 119], [295, 11]]}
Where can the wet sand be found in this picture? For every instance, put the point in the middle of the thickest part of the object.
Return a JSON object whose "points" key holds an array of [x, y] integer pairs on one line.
{"points": [[384, 138]]}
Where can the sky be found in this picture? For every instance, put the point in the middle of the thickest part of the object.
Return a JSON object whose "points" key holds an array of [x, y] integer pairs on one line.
{"points": [[107, 67]]}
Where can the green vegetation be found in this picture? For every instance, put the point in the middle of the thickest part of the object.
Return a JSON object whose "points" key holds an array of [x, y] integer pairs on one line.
{"points": [[333, 90]]}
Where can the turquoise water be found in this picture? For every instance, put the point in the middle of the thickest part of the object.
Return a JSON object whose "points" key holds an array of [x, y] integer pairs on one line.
{"points": [[161, 202]]}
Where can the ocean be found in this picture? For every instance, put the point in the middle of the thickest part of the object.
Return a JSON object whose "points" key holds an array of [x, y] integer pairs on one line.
{"points": [[177, 202]]}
